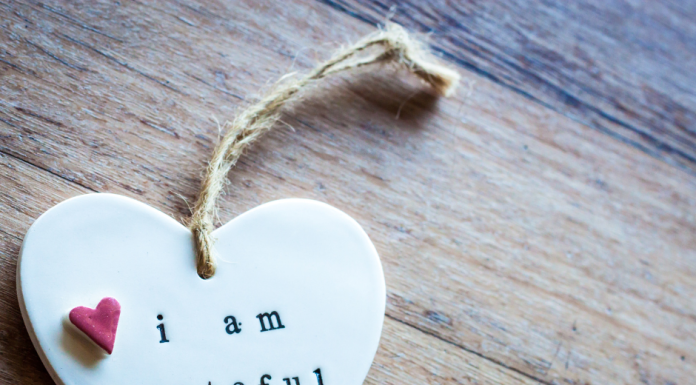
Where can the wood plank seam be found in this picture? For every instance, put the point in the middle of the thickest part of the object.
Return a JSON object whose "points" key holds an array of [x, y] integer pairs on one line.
{"points": [[164, 83], [573, 100], [474, 352], [10, 235], [565, 97], [46, 170]]}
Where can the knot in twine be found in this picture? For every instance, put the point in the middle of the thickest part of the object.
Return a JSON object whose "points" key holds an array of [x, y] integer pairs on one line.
{"points": [[389, 45]]}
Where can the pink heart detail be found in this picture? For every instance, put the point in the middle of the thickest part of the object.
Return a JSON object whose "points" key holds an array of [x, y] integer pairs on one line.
{"points": [[98, 324]]}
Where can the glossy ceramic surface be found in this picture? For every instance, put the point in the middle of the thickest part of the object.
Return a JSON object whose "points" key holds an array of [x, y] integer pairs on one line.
{"points": [[299, 264]]}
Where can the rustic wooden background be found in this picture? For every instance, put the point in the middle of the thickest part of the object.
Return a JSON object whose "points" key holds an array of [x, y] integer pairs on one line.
{"points": [[538, 228]]}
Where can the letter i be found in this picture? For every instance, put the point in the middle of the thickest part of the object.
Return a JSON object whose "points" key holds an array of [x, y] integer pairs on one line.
{"points": [[163, 334]]}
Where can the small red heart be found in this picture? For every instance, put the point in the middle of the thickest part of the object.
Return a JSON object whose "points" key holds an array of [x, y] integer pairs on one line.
{"points": [[99, 324]]}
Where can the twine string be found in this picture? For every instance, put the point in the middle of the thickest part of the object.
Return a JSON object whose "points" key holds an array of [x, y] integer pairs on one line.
{"points": [[389, 45]]}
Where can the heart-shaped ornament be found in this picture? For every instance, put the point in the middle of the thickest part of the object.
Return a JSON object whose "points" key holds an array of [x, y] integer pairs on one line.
{"points": [[298, 296]]}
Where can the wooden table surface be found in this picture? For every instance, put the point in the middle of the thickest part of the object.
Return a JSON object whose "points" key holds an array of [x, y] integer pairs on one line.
{"points": [[537, 228]]}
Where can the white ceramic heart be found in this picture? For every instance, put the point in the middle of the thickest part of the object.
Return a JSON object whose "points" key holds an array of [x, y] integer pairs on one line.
{"points": [[306, 260]]}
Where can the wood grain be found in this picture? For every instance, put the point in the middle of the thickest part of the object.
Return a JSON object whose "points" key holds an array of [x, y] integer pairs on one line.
{"points": [[519, 245], [621, 67]]}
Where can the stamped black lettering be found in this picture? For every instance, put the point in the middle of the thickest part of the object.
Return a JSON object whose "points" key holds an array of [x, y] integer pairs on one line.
{"points": [[163, 334], [232, 326], [319, 379], [273, 316]]}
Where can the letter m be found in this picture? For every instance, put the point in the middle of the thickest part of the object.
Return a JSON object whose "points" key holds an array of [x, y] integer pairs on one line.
{"points": [[265, 317]]}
